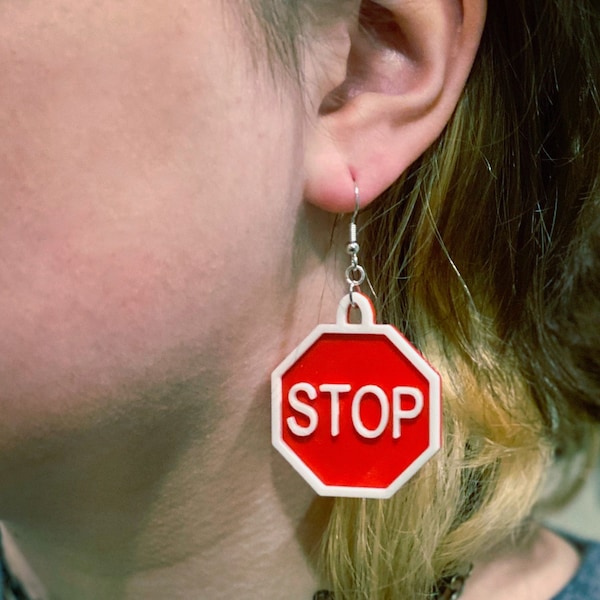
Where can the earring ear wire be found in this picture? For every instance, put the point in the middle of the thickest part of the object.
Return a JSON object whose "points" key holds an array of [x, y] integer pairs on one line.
{"points": [[355, 273]]}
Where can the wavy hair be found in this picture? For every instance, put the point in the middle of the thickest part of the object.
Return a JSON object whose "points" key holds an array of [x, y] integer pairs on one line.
{"points": [[486, 253]]}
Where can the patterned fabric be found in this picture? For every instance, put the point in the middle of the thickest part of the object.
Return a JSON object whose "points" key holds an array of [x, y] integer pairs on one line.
{"points": [[449, 588], [10, 587]]}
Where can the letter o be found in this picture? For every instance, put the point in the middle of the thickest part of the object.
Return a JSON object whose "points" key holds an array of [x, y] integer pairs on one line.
{"points": [[385, 411]]}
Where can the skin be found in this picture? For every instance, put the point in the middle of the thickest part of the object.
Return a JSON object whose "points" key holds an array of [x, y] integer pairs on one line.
{"points": [[157, 261]]}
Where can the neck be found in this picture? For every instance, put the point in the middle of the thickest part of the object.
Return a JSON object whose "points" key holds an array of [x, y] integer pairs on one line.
{"points": [[222, 518], [173, 489], [164, 509]]}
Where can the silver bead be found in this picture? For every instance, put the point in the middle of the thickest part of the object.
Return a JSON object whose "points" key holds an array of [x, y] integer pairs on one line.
{"points": [[352, 248]]}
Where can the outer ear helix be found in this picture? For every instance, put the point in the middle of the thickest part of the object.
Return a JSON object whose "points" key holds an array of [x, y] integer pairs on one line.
{"points": [[402, 86]]}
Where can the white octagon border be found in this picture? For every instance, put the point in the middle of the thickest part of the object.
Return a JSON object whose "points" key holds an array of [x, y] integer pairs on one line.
{"points": [[407, 349]]}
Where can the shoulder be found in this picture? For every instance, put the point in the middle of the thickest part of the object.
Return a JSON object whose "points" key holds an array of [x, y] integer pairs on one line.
{"points": [[585, 585]]}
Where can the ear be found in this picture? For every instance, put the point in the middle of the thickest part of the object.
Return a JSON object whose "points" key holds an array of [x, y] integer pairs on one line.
{"points": [[407, 64]]}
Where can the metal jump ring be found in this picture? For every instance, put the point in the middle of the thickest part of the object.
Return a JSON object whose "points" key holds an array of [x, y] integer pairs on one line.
{"points": [[351, 271]]}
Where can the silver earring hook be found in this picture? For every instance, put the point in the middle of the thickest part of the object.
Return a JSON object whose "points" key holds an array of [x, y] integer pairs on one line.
{"points": [[356, 202], [353, 246], [355, 274]]}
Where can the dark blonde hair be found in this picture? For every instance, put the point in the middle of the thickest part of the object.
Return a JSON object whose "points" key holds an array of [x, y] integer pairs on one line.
{"points": [[486, 253]]}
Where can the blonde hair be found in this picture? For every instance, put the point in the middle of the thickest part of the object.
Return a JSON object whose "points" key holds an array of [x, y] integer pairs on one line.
{"points": [[486, 253]]}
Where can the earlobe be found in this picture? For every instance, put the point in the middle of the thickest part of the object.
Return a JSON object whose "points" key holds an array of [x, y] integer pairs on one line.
{"points": [[406, 68]]}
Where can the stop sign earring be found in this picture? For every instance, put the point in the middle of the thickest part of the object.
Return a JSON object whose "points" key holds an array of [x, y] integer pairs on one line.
{"points": [[356, 409]]}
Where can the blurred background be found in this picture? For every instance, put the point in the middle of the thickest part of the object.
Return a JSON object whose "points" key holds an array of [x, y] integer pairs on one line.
{"points": [[582, 515]]}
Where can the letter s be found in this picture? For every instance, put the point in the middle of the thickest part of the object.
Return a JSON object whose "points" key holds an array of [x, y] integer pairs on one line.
{"points": [[302, 408]]}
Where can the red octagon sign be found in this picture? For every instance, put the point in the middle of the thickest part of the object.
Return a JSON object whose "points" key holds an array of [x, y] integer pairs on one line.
{"points": [[356, 409]]}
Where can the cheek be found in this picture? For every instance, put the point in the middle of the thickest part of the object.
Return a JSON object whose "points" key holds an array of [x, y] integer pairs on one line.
{"points": [[136, 199]]}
